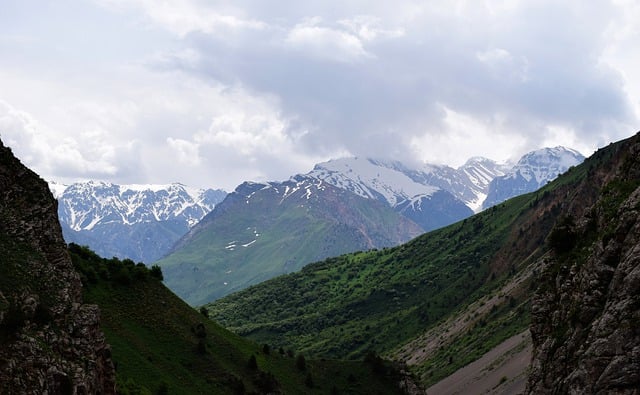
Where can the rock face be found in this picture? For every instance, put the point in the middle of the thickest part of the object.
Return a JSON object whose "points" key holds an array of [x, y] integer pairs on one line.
{"points": [[49, 341], [586, 311]]}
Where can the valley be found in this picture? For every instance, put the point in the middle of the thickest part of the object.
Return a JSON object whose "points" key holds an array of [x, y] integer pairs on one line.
{"points": [[464, 305]]}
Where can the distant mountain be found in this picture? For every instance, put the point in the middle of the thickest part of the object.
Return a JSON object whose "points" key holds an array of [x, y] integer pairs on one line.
{"points": [[140, 222], [305, 223], [564, 258], [416, 194], [532, 171], [265, 229]]}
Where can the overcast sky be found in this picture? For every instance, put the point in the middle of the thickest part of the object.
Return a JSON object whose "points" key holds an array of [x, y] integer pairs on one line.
{"points": [[212, 93]]}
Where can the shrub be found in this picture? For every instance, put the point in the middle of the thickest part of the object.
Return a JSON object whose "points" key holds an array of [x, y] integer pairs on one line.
{"points": [[252, 364], [301, 362], [156, 272]]}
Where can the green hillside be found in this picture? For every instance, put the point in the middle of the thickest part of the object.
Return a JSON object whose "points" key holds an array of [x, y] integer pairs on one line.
{"points": [[264, 230], [379, 300], [162, 345], [468, 284]]}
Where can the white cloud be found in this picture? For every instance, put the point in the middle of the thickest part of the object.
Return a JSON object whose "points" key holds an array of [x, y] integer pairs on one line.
{"points": [[214, 93], [461, 136], [187, 151], [368, 28], [501, 64], [184, 17], [86, 155], [326, 43]]}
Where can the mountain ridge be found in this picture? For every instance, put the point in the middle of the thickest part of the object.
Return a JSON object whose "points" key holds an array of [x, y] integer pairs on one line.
{"points": [[139, 222], [382, 300], [381, 186], [264, 229]]}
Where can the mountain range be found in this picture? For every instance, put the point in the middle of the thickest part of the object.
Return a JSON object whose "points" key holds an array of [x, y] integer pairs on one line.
{"points": [[139, 222], [538, 294], [72, 322], [533, 171], [391, 203], [351, 204]]}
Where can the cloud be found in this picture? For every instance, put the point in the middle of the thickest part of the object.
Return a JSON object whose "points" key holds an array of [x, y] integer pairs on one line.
{"points": [[184, 17], [88, 155], [325, 43], [373, 85], [214, 93]]}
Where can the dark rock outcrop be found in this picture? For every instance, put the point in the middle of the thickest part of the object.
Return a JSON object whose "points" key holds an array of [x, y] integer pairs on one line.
{"points": [[586, 311], [49, 341]]}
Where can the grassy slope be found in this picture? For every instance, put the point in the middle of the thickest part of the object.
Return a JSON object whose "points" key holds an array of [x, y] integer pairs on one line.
{"points": [[377, 299], [292, 232], [381, 300], [155, 343]]}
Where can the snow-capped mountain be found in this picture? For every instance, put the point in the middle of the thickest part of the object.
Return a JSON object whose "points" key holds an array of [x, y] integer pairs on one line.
{"points": [[413, 193], [139, 222], [265, 229], [420, 193], [532, 171], [262, 230]]}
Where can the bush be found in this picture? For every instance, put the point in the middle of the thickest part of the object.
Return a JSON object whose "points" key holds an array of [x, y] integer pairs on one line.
{"points": [[156, 272], [563, 236], [301, 362], [252, 364]]}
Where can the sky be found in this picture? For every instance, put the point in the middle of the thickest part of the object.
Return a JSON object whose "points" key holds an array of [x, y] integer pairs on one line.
{"points": [[213, 93]]}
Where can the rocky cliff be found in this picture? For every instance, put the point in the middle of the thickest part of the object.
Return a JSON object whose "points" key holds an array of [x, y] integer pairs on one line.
{"points": [[586, 311], [49, 341]]}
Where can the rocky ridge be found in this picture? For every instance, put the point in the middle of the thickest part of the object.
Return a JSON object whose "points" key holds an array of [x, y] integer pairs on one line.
{"points": [[49, 341], [586, 311]]}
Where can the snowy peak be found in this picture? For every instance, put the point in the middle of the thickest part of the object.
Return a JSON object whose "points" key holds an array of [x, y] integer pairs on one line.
{"points": [[532, 172], [385, 181], [425, 196], [82, 206], [546, 164]]}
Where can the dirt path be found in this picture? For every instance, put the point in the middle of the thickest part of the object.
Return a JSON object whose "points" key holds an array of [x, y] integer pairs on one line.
{"points": [[502, 370]]}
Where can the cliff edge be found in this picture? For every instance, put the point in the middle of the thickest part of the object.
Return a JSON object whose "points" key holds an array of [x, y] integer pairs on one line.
{"points": [[49, 341], [586, 310]]}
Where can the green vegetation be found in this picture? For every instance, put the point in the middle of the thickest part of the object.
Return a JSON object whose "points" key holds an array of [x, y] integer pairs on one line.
{"points": [[381, 300], [162, 345], [242, 246], [375, 300], [385, 300]]}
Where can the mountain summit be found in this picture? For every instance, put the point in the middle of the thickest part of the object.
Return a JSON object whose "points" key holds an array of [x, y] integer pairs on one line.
{"points": [[532, 171], [262, 230], [140, 222]]}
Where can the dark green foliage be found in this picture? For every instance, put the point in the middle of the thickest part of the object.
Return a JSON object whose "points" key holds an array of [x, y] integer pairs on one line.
{"points": [[266, 382], [252, 364], [156, 272], [42, 315], [14, 319], [93, 268], [163, 389], [266, 349], [375, 300], [157, 338], [308, 381], [301, 362]]}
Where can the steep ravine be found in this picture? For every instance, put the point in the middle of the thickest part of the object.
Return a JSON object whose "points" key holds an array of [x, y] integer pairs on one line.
{"points": [[50, 342]]}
